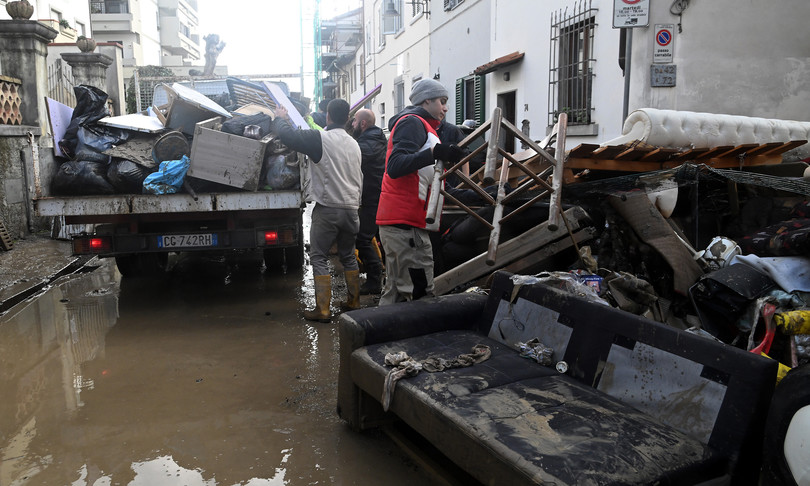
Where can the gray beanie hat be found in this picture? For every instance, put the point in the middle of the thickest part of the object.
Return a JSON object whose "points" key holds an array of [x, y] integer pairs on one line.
{"points": [[427, 89]]}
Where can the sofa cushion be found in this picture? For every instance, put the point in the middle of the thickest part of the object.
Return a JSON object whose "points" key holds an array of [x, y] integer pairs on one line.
{"points": [[512, 419], [503, 366]]}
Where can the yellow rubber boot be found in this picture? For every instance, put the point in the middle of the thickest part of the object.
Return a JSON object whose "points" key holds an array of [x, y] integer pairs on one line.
{"points": [[323, 297], [352, 290]]}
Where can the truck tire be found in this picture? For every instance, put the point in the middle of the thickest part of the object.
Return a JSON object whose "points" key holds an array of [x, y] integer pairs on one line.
{"points": [[787, 431], [142, 264], [284, 258]]}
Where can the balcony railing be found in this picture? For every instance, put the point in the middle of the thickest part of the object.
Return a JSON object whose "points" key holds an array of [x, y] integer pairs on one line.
{"points": [[109, 7]]}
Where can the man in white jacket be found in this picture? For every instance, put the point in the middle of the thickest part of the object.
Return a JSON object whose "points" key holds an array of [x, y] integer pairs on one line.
{"points": [[336, 183]]}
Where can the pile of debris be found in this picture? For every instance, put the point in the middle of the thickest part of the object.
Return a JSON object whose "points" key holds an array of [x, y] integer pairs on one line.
{"points": [[188, 143], [721, 252]]}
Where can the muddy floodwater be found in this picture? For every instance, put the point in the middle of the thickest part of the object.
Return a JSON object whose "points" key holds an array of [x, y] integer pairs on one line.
{"points": [[208, 376]]}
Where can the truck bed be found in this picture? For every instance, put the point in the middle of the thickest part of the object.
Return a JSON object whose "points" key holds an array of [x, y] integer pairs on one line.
{"points": [[124, 204]]}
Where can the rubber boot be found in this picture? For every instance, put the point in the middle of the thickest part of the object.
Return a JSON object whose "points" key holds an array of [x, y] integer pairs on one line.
{"points": [[323, 297], [373, 283], [352, 290]]}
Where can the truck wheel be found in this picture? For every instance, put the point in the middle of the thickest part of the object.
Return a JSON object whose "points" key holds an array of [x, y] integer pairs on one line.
{"points": [[787, 431], [274, 258], [142, 264]]}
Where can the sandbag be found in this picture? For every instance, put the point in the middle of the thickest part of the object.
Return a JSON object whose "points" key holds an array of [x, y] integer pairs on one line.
{"points": [[81, 178]]}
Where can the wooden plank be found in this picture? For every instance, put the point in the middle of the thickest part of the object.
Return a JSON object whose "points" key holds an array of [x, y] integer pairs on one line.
{"points": [[507, 253], [659, 155], [532, 259], [555, 202], [612, 164], [583, 150], [713, 152], [734, 162], [495, 234], [787, 146], [690, 154], [738, 150], [608, 152], [764, 148], [634, 153], [492, 148]]}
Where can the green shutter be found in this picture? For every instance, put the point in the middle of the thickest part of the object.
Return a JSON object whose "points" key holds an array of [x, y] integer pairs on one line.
{"points": [[459, 101], [480, 117]]}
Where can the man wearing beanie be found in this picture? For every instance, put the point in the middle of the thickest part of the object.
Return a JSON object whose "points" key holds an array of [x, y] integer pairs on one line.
{"points": [[413, 148], [336, 182]]}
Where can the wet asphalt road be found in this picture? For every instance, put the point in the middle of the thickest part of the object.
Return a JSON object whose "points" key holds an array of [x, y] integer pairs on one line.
{"points": [[204, 377]]}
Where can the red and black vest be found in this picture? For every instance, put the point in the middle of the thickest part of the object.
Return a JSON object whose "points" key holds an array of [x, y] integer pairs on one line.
{"points": [[404, 200]]}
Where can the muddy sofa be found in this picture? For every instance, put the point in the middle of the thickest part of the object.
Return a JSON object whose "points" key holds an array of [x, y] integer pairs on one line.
{"points": [[639, 403]]}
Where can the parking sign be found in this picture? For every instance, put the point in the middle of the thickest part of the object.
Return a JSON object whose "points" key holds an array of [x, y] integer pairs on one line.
{"points": [[631, 13], [663, 43]]}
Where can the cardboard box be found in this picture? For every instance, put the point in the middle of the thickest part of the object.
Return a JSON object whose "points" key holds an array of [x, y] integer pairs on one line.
{"points": [[225, 158]]}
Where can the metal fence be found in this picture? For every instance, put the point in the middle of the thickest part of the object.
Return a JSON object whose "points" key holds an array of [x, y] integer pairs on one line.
{"points": [[60, 83]]}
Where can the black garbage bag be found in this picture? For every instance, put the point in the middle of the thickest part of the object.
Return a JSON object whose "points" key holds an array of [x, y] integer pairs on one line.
{"points": [[279, 173], [126, 176], [93, 140], [91, 106], [237, 124], [81, 178]]}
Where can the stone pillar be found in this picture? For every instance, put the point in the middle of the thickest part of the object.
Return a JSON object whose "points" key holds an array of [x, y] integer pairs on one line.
{"points": [[23, 52], [89, 68]]}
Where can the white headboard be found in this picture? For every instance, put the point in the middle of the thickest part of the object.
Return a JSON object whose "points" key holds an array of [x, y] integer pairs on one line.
{"points": [[689, 129]]}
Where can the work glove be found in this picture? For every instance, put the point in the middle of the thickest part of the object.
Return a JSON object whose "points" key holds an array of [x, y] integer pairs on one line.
{"points": [[448, 153]]}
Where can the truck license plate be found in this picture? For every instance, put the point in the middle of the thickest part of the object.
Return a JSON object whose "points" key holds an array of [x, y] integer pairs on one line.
{"points": [[187, 241]]}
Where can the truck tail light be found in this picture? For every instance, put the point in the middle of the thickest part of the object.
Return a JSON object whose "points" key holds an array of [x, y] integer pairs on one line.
{"points": [[271, 237], [90, 245]]}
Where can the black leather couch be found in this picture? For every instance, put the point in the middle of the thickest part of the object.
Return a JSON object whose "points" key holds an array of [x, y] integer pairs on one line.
{"points": [[639, 403]]}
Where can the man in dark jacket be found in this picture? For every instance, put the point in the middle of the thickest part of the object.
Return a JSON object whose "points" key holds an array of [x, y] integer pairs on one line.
{"points": [[373, 144], [412, 150], [319, 117], [336, 181]]}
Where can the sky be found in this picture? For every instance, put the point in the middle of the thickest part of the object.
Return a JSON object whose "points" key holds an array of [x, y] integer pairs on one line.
{"points": [[264, 36]]}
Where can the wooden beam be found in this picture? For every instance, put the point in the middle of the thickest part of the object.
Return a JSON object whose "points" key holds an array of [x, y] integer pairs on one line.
{"points": [[492, 148], [508, 252]]}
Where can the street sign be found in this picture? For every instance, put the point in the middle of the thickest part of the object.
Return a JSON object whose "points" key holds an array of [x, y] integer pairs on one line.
{"points": [[631, 13], [663, 43], [663, 76]]}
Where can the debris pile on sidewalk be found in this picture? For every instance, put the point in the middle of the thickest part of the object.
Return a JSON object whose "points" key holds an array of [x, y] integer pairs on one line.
{"points": [[187, 144], [694, 246]]}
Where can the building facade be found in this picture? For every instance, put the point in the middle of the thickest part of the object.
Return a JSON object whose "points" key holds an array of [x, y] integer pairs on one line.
{"points": [[152, 32], [538, 59]]}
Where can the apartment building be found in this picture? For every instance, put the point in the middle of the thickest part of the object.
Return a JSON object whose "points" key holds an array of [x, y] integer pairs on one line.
{"points": [[152, 32]]}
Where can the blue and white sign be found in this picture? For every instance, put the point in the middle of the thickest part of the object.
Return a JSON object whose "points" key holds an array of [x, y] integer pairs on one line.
{"points": [[663, 43], [631, 13]]}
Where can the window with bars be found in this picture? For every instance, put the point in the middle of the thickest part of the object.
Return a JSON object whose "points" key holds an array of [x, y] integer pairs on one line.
{"points": [[571, 64], [470, 99]]}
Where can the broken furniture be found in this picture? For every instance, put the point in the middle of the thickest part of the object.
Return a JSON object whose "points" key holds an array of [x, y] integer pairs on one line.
{"points": [[655, 139], [497, 170], [226, 158], [631, 401]]}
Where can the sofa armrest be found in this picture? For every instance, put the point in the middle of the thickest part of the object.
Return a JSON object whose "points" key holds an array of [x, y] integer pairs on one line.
{"points": [[394, 322], [375, 325]]}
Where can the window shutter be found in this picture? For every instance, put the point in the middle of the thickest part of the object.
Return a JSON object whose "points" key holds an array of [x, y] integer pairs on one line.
{"points": [[480, 116], [459, 101]]}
